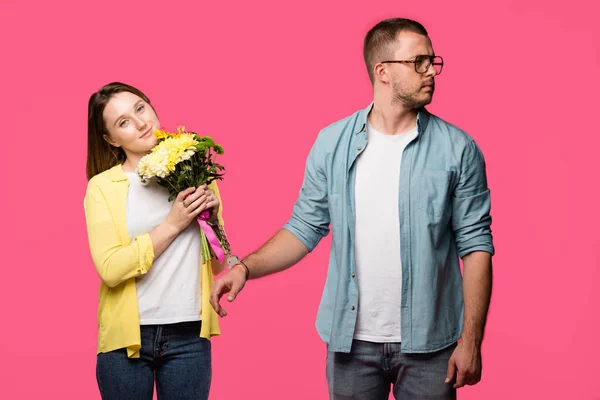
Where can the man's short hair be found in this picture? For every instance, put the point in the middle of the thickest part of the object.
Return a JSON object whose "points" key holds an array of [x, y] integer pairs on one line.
{"points": [[378, 41]]}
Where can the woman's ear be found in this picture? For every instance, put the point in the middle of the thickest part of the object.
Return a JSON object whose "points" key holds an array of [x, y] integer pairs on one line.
{"points": [[110, 140]]}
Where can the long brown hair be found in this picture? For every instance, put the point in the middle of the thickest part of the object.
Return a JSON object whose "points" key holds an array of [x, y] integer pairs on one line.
{"points": [[101, 156]]}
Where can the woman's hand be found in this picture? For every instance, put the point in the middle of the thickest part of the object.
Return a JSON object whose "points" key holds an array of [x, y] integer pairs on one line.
{"points": [[186, 208], [212, 202]]}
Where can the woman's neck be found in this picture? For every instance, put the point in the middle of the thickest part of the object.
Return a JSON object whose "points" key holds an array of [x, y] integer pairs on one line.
{"points": [[131, 162]]}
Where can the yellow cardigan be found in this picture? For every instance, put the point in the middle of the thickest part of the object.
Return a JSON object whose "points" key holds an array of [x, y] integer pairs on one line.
{"points": [[119, 261]]}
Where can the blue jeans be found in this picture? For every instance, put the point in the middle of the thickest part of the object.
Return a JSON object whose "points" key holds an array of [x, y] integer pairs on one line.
{"points": [[370, 369], [174, 354]]}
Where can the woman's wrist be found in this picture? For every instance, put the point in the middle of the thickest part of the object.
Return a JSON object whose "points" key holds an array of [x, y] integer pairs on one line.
{"points": [[170, 228]]}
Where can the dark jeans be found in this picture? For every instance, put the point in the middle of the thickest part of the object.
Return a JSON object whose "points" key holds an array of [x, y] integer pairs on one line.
{"points": [[174, 354], [368, 371]]}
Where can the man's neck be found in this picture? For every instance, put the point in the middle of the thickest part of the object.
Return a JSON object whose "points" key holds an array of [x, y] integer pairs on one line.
{"points": [[392, 119]]}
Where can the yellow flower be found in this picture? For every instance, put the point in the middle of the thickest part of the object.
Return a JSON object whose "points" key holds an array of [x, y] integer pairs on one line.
{"points": [[160, 134], [165, 156], [180, 144]]}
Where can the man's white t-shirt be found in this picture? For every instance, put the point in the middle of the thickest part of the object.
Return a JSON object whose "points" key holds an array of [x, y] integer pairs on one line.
{"points": [[377, 246]]}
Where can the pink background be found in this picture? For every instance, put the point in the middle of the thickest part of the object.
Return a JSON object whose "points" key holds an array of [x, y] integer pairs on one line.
{"points": [[263, 78]]}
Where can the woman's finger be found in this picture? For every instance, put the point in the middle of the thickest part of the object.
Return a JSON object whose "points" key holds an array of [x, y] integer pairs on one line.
{"points": [[196, 204], [181, 196]]}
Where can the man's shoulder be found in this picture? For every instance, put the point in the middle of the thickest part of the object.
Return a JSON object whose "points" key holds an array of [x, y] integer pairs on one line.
{"points": [[442, 128], [449, 137], [334, 132], [349, 123]]}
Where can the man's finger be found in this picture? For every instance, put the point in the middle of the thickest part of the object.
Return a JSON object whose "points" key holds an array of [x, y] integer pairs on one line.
{"points": [[216, 294], [215, 304], [460, 380], [235, 289], [219, 289], [451, 370], [474, 379]]}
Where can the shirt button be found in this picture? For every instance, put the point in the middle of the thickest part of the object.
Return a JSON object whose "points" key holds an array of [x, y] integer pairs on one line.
{"points": [[352, 308], [359, 148], [353, 275]]}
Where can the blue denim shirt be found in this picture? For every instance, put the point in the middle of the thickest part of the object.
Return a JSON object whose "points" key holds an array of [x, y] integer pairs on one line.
{"points": [[444, 209]]}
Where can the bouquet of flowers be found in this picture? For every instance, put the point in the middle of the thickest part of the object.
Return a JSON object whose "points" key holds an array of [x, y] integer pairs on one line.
{"points": [[181, 160]]}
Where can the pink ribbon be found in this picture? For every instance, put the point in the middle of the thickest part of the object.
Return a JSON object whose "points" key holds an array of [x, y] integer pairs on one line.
{"points": [[211, 236], [213, 241]]}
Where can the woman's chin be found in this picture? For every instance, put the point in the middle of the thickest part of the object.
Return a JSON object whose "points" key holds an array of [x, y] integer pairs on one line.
{"points": [[149, 142]]}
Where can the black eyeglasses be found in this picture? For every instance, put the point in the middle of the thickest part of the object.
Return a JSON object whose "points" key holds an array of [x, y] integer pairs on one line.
{"points": [[422, 63]]}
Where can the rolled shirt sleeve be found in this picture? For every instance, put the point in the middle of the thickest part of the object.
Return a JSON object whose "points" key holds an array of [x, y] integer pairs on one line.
{"points": [[471, 204], [310, 218]]}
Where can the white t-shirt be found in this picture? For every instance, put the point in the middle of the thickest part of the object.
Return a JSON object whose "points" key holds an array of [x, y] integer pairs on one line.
{"points": [[170, 291], [377, 246]]}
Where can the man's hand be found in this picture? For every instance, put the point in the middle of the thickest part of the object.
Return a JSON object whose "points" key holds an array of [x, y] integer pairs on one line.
{"points": [[465, 365], [282, 251], [232, 282]]}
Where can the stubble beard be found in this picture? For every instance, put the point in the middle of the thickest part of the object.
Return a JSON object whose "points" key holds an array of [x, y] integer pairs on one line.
{"points": [[410, 99]]}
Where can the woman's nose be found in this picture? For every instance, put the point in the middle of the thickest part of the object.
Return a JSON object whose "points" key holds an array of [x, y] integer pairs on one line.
{"points": [[140, 124]]}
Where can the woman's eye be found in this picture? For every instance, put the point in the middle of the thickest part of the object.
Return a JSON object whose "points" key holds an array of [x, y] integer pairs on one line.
{"points": [[140, 108], [123, 123]]}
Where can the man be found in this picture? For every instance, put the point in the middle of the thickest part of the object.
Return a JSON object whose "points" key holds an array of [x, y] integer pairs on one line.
{"points": [[406, 195]]}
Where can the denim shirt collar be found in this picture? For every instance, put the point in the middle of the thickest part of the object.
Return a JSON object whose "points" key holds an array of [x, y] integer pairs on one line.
{"points": [[422, 119]]}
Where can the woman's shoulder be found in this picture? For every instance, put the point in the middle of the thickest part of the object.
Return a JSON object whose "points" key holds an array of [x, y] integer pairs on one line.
{"points": [[105, 179], [99, 178]]}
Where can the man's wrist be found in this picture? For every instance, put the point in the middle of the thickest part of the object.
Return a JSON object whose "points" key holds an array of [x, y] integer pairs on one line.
{"points": [[244, 268], [471, 340], [234, 261]]}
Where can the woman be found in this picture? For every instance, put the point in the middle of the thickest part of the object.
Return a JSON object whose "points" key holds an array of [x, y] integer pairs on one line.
{"points": [[154, 315]]}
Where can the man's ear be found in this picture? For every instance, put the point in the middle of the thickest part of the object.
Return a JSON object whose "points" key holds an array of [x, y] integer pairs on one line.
{"points": [[381, 74]]}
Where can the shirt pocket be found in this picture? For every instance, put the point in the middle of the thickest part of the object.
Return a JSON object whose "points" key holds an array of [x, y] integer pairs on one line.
{"points": [[435, 192]]}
